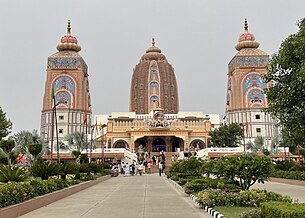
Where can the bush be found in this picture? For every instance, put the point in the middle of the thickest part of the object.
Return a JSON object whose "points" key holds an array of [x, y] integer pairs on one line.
{"points": [[45, 169], [96, 168], [287, 165], [282, 210], [297, 175], [68, 168], [35, 149], [197, 185], [241, 199], [254, 213], [13, 174], [14, 193], [76, 153]]}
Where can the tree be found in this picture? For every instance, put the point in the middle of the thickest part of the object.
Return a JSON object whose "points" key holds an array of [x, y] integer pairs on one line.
{"points": [[24, 138], [286, 73], [226, 136], [245, 170], [77, 139], [35, 150], [5, 124], [7, 154]]}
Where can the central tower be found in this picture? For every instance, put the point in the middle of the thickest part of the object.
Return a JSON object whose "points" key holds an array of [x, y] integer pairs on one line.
{"points": [[153, 84]]}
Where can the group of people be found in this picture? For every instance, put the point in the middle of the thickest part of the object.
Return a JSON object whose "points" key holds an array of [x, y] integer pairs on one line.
{"points": [[142, 166], [131, 169]]}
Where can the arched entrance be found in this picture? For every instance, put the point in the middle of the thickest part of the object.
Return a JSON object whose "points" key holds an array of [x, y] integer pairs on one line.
{"points": [[121, 144], [197, 144], [176, 144], [158, 145]]}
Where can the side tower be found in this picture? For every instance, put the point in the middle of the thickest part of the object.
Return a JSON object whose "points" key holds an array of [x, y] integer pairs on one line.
{"points": [[67, 82], [245, 96], [153, 84]]}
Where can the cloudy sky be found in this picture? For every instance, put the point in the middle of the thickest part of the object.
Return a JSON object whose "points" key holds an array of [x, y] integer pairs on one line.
{"points": [[197, 37]]}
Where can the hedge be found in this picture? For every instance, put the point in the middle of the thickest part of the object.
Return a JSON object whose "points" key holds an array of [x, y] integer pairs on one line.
{"points": [[243, 198], [282, 210], [298, 175]]}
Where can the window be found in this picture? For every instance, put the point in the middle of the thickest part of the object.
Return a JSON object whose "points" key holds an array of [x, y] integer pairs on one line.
{"points": [[61, 117], [257, 116], [61, 131], [258, 130]]}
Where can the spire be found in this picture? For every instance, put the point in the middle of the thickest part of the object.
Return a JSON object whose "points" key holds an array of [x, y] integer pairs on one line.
{"points": [[68, 42], [69, 28], [246, 25], [153, 42]]}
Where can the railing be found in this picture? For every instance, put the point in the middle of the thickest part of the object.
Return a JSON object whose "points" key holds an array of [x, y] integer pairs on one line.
{"points": [[170, 122]]}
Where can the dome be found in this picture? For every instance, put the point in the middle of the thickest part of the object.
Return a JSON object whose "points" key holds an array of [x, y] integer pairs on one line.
{"points": [[246, 40], [68, 42], [153, 53], [153, 84]]}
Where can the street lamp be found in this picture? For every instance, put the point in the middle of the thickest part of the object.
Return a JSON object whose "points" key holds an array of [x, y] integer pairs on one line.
{"points": [[243, 127]]}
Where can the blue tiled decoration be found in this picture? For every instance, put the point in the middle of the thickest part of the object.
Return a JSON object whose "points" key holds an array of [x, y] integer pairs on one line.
{"points": [[248, 61]]}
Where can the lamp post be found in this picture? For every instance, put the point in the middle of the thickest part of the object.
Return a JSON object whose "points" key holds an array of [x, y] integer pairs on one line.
{"points": [[243, 127]]}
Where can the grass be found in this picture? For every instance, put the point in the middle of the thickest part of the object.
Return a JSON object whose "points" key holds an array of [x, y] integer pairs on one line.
{"points": [[232, 212]]}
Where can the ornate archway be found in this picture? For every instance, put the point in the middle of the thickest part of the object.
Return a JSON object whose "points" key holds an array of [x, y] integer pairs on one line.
{"points": [[197, 144], [121, 144], [158, 145]]}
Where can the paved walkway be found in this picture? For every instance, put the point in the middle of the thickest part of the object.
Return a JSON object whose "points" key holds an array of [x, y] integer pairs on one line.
{"points": [[295, 191], [149, 196]]}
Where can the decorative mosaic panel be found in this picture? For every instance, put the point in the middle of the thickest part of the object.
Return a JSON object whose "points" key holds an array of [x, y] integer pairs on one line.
{"points": [[253, 80], [63, 98], [248, 61], [64, 83], [256, 98], [64, 63]]}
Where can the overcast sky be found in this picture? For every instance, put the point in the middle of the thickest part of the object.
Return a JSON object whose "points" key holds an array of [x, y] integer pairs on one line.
{"points": [[197, 37]]}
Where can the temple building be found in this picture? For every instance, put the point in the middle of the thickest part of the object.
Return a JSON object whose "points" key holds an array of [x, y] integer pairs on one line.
{"points": [[246, 101], [153, 84], [66, 90], [154, 122]]}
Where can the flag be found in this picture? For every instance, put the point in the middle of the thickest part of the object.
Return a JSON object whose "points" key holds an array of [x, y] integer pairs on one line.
{"points": [[247, 127], [85, 117]]}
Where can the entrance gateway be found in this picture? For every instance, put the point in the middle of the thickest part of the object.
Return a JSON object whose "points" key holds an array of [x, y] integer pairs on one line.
{"points": [[159, 143]]}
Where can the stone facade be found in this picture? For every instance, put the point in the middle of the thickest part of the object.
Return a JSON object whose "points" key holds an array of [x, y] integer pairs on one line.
{"points": [[155, 131]]}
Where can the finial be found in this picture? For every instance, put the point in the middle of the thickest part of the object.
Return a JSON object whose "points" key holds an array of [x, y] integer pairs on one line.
{"points": [[153, 42], [69, 27], [246, 25]]}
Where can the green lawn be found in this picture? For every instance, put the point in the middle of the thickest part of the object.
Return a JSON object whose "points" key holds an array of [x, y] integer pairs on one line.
{"points": [[232, 212]]}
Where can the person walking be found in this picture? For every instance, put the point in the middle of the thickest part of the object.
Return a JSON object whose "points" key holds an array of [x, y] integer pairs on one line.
{"points": [[149, 167], [140, 168], [160, 167], [127, 170]]}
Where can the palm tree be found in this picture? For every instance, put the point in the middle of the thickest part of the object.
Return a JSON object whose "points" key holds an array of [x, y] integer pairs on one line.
{"points": [[25, 138], [259, 143], [77, 140]]}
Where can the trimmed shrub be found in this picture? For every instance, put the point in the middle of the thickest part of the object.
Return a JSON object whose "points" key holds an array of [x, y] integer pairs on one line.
{"points": [[254, 213], [243, 198], [13, 174], [297, 175], [197, 185], [282, 210]]}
